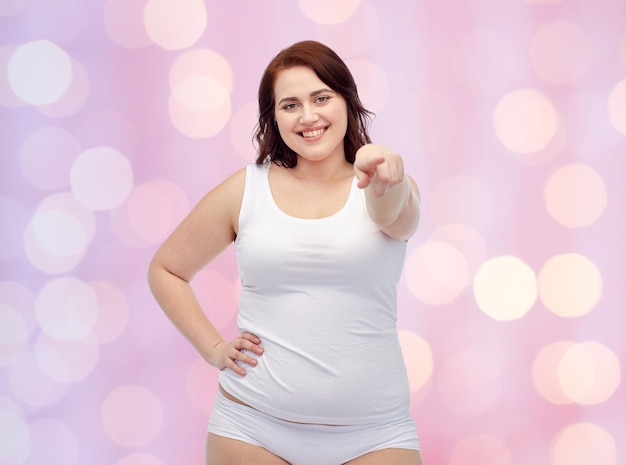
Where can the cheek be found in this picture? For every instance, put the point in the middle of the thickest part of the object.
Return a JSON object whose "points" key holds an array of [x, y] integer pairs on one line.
{"points": [[284, 127]]}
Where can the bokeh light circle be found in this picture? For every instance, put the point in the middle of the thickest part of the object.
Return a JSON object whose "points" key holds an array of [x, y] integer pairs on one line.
{"points": [[575, 195], [67, 361], [142, 417], [436, 272], [175, 24], [101, 178], [561, 52], [505, 288], [46, 229], [53, 442], [46, 157], [200, 94], [56, 246], [329, 11], [202, 62], [124, 23], [31, 385], [67, 309], [15, 435], [589, 373], [366, 18], [18, 296], [585, 373], [8, 98], [151, 213], [418, 358], [583, 444], [545, 372], [40, 72], [465, 239], [199, 107], [200, 82], [525, 121], [617, 106], [74, 98], [570, 285], [14, 218]]}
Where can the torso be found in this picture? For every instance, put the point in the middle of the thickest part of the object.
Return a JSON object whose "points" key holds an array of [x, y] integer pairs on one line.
{"points": [[317, 302], [306, 199]]}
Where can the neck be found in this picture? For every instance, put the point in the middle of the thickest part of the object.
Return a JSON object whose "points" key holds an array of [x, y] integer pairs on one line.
{"points": [[329, 169]]}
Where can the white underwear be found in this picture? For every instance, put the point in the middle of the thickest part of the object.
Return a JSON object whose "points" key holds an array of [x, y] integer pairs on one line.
{"points": [[309, 444]]}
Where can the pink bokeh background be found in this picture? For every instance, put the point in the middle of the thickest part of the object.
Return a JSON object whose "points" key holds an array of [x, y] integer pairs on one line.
{"points": [[116, 116]]}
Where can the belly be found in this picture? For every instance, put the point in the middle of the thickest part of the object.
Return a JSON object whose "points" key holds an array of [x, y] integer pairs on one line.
{"points": [[358, 379]]}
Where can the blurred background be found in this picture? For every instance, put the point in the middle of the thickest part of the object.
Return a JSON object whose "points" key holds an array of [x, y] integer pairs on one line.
{"points": [[117, 116]]}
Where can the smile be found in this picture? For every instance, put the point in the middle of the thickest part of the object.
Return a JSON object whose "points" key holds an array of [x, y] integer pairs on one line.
{"points": [[312, 134]]}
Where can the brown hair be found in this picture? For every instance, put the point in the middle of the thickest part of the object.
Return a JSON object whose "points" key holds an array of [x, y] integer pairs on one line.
{"points": [[334, 73]]}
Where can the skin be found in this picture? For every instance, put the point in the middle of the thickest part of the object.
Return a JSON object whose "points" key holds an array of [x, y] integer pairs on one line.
{"points": [[317, 187]]}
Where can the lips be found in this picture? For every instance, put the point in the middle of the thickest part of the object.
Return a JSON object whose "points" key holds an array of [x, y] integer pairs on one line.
{"points": [[312, 134]]}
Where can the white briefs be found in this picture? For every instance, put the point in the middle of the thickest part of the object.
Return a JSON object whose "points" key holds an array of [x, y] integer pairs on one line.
{"points": [[309, 444]]}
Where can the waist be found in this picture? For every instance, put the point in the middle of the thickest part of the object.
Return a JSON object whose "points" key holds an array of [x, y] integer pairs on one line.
{"points": [[365, 385]]}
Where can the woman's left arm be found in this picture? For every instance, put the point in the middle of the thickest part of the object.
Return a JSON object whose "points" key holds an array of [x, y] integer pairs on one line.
{"points": [[392, 197]]}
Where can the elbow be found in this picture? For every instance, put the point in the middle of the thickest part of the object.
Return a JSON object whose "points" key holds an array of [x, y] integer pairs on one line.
{"points": [[154, 270]]}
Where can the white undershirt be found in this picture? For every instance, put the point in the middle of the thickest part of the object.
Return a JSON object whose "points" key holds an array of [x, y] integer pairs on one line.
{"points": [[321, 295]]}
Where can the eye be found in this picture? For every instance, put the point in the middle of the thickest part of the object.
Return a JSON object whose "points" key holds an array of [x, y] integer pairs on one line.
{"points": [[289, 106], [322, 99]]}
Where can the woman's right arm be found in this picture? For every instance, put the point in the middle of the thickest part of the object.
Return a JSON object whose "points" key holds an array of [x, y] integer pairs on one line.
{"points": [[208, 229]]}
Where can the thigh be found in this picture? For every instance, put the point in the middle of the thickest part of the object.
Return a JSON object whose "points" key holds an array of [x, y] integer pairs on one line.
{"points": [[226, 451], [389, 457]]}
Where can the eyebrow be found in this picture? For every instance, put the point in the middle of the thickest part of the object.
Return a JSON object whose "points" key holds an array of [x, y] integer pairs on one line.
{"points": [[312, 94]]}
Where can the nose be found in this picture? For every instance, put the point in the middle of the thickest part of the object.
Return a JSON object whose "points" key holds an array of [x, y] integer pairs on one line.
{"points": [[308, 115]]}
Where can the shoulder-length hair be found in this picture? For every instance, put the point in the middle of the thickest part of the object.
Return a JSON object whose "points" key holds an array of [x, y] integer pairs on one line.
{"points": [[333, 72]]}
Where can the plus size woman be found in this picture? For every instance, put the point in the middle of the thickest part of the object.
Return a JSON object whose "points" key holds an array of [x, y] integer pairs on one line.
{"points": [[319, 224]]}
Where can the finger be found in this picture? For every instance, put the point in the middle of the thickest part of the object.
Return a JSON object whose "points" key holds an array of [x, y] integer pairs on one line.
{"points": [[236, 359], [250, 337], [368, 164], [364, 180], [242, 349], [235, 367], [251, 342]]}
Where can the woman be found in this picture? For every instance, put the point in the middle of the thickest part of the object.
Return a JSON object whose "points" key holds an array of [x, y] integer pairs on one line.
{"points": [[320, 225]]}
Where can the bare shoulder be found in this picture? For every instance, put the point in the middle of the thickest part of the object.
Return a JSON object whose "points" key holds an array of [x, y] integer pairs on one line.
{"points": [[223, 202]]}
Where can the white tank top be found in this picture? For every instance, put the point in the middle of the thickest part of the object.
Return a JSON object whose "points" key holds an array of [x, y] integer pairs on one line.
{"points": [[321, 295]]}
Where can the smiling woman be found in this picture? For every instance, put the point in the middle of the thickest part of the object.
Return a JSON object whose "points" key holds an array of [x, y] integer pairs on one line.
{"points": [[320, 224]]}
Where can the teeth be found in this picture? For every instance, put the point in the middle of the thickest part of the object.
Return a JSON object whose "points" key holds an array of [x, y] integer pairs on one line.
{"points": [[315, 133]]}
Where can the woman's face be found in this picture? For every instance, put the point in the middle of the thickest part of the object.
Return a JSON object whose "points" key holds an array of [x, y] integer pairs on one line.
{"points": [[312, 118]]}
